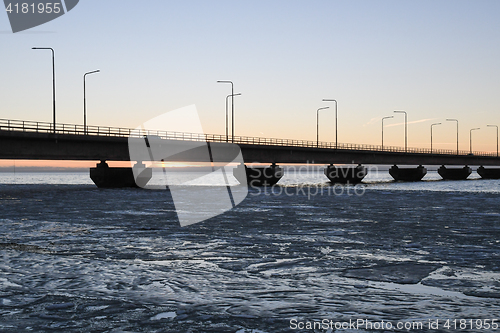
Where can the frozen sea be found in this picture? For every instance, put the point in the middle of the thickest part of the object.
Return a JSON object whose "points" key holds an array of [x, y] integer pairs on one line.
{"points": [[75, 258]]}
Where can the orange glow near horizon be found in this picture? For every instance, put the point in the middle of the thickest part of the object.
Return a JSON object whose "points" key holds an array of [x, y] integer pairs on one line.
{"points": [[92, 164], [58, 164]]}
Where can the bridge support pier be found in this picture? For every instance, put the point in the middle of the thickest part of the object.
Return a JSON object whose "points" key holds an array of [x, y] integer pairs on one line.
{"points": [[345, 175], [258, 176], [490, 173], [454, 173], [105, 177], [408, 174]]}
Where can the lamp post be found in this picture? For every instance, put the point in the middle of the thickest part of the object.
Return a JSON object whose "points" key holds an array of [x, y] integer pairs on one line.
{"points": [[85, 101], [470, 133], [232, 106], [406, 128], [457, 131], [227, 120], [383, 130], [431, 133], [497, 135], [317, 124], [336, 120], [53, 83]]}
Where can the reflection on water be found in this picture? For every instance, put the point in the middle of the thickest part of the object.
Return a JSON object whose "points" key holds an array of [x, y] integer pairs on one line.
{"points": [[75, 258]]}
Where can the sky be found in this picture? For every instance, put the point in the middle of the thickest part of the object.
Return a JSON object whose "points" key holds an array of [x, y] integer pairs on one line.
{"points": [[433, 59]]}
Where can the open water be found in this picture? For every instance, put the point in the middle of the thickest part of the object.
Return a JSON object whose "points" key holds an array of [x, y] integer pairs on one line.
{"points": [[75, 258]]}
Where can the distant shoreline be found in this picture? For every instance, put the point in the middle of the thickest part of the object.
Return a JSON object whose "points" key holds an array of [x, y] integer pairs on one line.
{"points": [[288, 168], [11, 169]]}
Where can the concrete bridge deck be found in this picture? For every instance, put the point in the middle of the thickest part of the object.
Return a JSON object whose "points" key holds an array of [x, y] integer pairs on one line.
{"points": [[37, 140]]}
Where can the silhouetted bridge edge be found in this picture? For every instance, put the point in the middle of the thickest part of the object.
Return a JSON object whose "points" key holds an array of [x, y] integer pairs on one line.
{"points": [[39, 141]]}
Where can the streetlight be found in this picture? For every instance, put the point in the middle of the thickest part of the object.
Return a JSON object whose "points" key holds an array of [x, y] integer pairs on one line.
{"points": [[227, 134], [85, 101], [457, 131], [431, 133], [406, 128], [383, 130], [470, 144], [317, 124], [53, 83], [497, 135], [232, 107], [336, 122]]}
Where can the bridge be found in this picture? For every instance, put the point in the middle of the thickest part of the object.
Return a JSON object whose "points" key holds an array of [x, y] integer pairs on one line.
{"points": [[41, 141]]}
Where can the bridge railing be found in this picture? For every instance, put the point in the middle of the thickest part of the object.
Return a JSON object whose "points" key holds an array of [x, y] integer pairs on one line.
{"points": [[44, 127], [349, 146]]}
